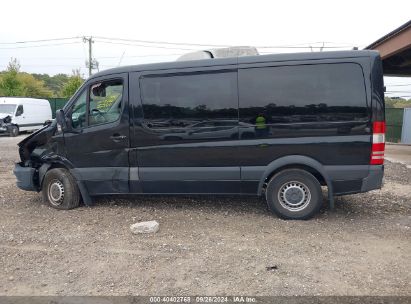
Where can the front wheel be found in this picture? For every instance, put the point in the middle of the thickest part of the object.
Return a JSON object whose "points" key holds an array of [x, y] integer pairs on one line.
{"points": [[60, 190], [294, 194], [14, 131]]}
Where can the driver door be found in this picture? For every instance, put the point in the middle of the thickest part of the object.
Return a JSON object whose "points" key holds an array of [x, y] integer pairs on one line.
{"points": [[98, 147]]}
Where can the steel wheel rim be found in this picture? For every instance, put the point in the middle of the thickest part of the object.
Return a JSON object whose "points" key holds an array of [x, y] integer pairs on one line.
{"points": [[55, 192], [294, 196]]}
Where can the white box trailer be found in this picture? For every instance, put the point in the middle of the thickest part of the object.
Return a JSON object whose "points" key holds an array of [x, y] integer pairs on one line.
{"points": [[23, 114]]}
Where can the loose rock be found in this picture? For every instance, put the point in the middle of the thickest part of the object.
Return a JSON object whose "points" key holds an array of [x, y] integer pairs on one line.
{"points": [[145, 227]]}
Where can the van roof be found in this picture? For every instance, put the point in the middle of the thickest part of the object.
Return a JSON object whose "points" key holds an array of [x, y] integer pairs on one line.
{"points": [[239, 60]]}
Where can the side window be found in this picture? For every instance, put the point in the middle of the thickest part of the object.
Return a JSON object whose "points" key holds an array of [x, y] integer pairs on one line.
{"points": [[19, 110], [78, 112], [304, 93], [184, 100], [105, 102]]}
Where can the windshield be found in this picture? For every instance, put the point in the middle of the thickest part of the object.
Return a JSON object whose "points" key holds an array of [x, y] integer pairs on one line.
{"points": [[7, 108]]}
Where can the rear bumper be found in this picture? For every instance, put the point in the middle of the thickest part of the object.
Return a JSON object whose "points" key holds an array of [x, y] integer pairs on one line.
{"points": [[374, 179], [25, 177], [355, 179]]}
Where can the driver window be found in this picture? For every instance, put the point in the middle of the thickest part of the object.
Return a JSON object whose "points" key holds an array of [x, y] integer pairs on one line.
{"points": [[105, 102]]}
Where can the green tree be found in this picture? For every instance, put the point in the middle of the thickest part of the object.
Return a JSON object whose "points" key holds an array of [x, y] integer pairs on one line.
{"points": [[10, 84], [397, 102], [33, 87], [54, 83], [73, 83]]}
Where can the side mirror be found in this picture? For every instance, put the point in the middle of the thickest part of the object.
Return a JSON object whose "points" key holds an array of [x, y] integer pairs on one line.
{"points": [[61, 120], [65, 122]]}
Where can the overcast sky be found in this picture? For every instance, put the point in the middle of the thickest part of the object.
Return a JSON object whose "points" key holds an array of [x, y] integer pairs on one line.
{"points": [[342, 24]]}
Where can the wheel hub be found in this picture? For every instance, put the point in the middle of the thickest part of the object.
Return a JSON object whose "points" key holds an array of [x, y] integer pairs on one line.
{"points": [[294, 196], [56, 192]]}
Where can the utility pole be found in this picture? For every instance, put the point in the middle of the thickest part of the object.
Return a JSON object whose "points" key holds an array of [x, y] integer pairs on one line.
{"points": [[90, 58], [91, 63]]}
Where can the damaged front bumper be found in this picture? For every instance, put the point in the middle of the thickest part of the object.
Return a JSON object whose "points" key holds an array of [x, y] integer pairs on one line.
{"points": [[5, 124], [34, 164], [25, 177]]}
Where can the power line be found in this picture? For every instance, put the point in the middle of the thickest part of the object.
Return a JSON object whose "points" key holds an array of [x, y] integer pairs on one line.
{"points": [[161, 42], [45, 65], [147, 46], [166, 44], [37, 46], [41, 40], [101, 57], [138, 56], [297, 45], [292, 45], [193, 49]]}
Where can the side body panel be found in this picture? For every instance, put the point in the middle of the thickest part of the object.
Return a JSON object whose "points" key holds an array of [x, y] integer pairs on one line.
{"points": [[190, 145]]}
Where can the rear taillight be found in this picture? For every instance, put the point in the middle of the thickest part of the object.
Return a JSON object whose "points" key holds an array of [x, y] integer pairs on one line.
{"points": [[378, 143]]}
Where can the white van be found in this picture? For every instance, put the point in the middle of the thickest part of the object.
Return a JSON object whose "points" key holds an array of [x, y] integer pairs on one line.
{"points": [[23, 114]]}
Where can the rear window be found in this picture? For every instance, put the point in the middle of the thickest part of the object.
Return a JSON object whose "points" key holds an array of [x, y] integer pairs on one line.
{"points": [[305, 93]]}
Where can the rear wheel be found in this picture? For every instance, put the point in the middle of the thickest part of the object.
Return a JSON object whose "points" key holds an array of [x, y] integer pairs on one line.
{"points": [[14, 131], [294, 194], [60, 190]]}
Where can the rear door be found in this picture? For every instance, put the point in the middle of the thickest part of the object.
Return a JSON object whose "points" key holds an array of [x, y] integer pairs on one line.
{"points": [[99, 151], [177, 145]]}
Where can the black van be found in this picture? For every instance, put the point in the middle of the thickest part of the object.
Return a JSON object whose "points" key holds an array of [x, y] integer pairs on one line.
{"points": [[280, 126]]}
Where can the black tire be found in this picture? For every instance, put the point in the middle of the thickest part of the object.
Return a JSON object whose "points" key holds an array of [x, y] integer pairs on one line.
{"points": [[14, 131], [294, 194], [60, 190]]}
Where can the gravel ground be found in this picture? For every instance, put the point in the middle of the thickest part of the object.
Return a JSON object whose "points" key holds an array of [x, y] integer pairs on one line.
{"points": [[208, 245]]}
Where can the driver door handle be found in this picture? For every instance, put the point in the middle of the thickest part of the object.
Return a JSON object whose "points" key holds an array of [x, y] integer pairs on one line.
{"points": [[118, 137]]}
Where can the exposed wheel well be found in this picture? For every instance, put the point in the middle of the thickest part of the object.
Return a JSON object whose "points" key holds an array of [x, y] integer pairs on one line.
{"points": [[309, 169], [42, 172]]}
